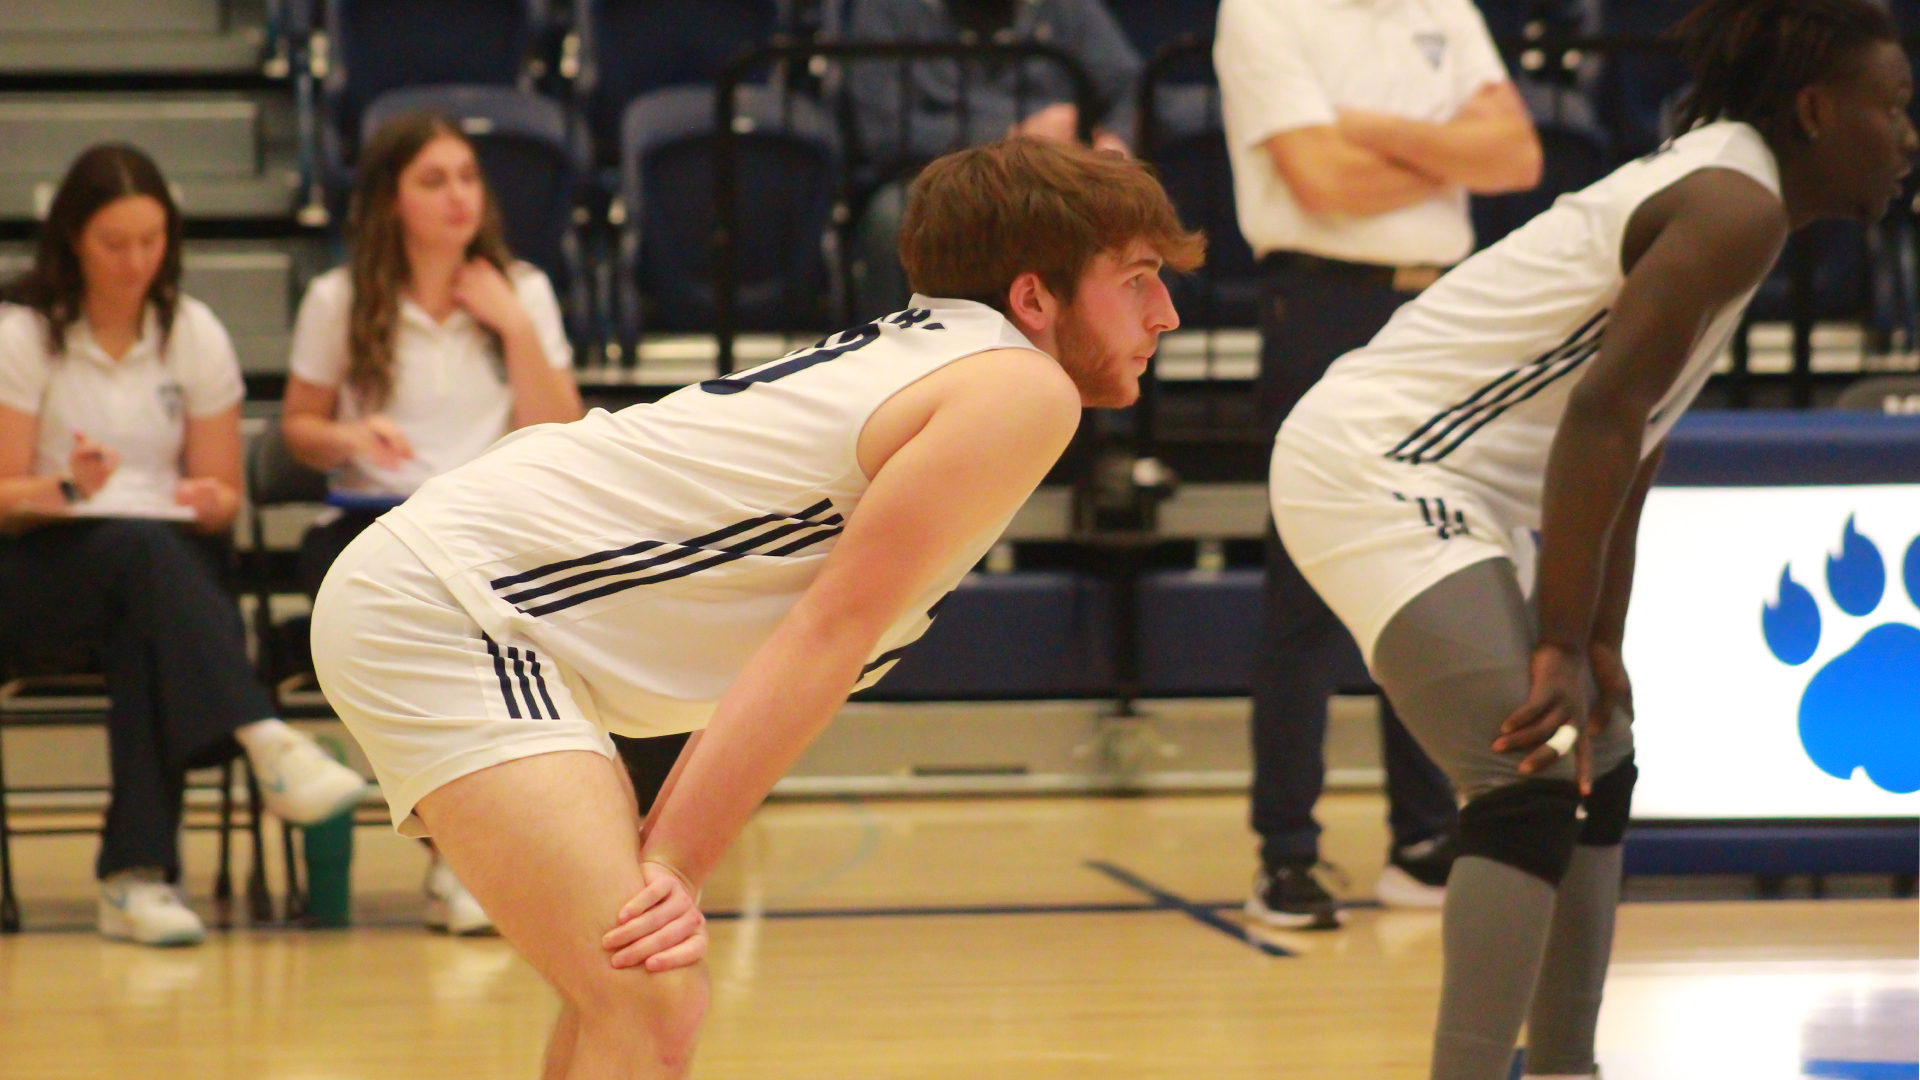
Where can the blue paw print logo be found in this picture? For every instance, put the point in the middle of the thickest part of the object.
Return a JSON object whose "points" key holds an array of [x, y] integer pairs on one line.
{"points": [[1861, 709]]}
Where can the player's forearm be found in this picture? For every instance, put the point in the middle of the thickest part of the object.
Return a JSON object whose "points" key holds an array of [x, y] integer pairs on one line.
{"points": [[1484, 154], [542, 393], [1610, 621], [783, 699], [1590, 472]]}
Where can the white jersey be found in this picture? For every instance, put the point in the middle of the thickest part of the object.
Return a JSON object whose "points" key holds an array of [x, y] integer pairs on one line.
{"points": [[654, 549], [1472, 377]]}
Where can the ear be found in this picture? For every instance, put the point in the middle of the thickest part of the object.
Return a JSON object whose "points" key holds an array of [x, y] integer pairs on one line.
{"points": [[1813, 111], [1030, 304]]}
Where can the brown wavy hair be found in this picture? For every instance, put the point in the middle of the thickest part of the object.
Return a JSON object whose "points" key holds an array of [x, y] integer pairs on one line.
{"points": [[55, 287], [979, 218], [379, 248]]}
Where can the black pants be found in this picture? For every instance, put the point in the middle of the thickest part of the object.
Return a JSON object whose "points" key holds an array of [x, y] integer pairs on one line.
{"points": [[1310, 317], [322, 544], [148, 596]]}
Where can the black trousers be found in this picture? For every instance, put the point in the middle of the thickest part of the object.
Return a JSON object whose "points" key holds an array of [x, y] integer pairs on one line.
{"points": [[1311, 315], [149, 597]]}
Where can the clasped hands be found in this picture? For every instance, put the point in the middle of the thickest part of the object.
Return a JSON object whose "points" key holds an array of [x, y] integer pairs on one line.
{"points": [[662, 927]]}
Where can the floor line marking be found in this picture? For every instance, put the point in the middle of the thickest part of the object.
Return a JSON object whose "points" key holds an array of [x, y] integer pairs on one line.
{"points": [[1204, 914]]}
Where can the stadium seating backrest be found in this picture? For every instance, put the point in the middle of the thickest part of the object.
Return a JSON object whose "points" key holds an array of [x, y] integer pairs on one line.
{"points": [[632, 47], [788, 172], [383, 45]]}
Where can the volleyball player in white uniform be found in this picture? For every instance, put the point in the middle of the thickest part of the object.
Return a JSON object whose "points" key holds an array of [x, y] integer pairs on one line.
{"points": [[1528, 394], [736, 557]]}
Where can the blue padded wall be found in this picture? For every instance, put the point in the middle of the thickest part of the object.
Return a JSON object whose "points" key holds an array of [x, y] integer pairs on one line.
{"points": [[1198, 631], [1035, 634]]}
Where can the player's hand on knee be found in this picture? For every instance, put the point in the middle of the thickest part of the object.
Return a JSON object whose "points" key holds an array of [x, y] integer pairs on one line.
{"points": [[1556, 698], [661, 927]]}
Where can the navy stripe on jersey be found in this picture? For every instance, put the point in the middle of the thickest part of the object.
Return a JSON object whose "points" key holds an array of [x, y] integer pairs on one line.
{"points": [[669, 561], [506, 685], [884, 659], [521, 668], [648, 545], [540, 681], [1445, 431]]}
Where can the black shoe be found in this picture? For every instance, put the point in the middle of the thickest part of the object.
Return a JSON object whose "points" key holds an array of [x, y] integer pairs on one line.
{"points": [[1291, 897], [1416, 875]]}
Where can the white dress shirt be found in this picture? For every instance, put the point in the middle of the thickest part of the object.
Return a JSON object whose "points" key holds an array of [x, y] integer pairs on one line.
{"points": [[1290, 64]]}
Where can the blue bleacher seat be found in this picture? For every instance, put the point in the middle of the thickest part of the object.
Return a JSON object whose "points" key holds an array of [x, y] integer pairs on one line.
{"points": [[1032, 634], [383, 45], [1198, 631], [633, 47], [535, 162], [1574, 152], [788, 171], [1153, 24]]}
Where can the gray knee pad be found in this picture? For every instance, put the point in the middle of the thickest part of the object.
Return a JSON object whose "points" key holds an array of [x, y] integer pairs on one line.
{"points": [[1531, 826], [1609, 805]]}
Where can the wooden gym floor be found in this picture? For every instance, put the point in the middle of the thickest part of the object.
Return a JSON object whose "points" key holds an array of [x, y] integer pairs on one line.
{"points": [[978, 938]]}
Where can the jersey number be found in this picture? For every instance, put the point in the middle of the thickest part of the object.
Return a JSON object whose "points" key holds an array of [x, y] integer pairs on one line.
{"points": [[831, 348]]}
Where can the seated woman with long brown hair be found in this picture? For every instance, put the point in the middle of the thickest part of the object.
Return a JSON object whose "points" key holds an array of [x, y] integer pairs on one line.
{"points": [[431, 344], [119, 442]]}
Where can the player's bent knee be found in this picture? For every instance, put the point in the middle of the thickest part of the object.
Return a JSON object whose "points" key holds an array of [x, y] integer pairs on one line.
{"points": [[1609, 805], [1531, 826], [658, 1012]]}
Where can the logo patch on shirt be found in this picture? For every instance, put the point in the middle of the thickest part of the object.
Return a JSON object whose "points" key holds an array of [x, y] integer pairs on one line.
{"points": [[1433, 46], [173, 401]]}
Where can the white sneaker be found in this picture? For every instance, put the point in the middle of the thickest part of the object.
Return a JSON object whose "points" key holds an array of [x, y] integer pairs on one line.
{"points": [[301, 784], [1399, 889], [450, 907], [139, 906]]}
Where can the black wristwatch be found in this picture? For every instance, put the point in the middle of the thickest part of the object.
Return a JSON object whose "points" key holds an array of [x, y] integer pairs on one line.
{"points": [[70, 491]]}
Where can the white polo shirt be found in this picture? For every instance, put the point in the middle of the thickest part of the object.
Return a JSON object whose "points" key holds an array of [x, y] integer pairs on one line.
{"points": [[137, 405], [450, 392], [1290, 64]]}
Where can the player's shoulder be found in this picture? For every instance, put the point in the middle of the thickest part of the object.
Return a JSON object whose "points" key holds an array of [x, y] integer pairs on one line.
{"points": [[1724, 206], [1021, 384]]}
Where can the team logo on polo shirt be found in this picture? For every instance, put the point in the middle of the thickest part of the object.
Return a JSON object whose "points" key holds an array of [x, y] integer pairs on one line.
{"points": [[1861, 707], [173, 400], [1433, 46]]}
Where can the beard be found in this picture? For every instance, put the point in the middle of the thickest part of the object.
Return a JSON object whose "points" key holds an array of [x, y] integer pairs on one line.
{"points": [[1104, 380]]}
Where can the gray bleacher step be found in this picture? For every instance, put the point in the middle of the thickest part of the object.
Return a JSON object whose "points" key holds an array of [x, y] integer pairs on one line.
{"points": [[167, 37], [188, 134], [123, 16], [225, 153], [250, 285], [238, 51]]}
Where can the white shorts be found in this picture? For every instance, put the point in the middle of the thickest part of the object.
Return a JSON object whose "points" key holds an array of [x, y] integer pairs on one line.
{"points": [[429, 697], [1371, 534]]}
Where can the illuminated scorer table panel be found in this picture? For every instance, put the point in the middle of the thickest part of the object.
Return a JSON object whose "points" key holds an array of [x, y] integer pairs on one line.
{"points": [[1774, 637]]}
